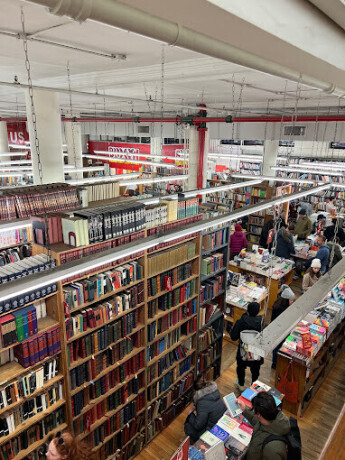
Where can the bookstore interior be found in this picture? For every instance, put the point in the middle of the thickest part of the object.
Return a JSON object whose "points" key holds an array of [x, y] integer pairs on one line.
{"points": [[172, 213]]}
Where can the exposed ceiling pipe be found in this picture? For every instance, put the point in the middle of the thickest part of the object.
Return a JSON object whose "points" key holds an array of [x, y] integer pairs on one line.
{"points": [[195, 119], [103, 96], [126, 17]]}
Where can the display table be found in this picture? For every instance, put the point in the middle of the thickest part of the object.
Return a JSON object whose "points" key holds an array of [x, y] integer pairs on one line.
{"points": [[313, 362], [282, 272], [238, 301]]}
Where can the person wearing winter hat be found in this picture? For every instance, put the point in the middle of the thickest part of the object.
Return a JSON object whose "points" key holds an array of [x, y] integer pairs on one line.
{"points": [[312, 275], [303, 225], [238, 241], [286, 298], [249, 321]]}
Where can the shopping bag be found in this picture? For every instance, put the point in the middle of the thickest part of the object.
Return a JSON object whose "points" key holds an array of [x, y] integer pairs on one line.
{"points": [[288, 385]]}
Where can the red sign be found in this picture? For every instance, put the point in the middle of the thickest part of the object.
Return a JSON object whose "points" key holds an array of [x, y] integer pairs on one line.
{"points": [[17, 133], [128, 150], [182, 451]]}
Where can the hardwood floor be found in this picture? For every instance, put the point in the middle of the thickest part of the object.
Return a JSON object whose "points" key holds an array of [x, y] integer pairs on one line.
{"points": [[315, 425]]}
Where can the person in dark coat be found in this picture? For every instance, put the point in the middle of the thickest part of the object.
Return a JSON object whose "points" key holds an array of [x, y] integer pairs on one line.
{"points": [[335, 254], [285, 245], [249, 321], [209, 408], [286, 298], [264, 233], [329, 232]]}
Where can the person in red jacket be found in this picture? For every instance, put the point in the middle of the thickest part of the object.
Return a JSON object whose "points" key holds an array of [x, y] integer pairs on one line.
{"points": [[238, 241]]}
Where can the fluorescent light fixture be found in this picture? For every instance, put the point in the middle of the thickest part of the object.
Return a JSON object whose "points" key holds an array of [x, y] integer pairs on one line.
{"points": [[155, 180], [321, 166], [16, 225], [94, 180], [20, 146], [156, 200], [14, 174], [124, 160], [306, 171], [62, 272], [250, 158], [277, 179], [222, 188], [131, 154], [72, 169], [13, 154], [16, 168], [15, 162]]}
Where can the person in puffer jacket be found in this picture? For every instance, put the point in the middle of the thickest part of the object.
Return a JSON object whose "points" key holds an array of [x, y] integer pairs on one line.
{"points": [[238, 241], [209, 408]]}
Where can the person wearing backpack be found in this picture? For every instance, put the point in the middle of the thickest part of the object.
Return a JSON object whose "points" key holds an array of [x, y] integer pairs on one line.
{"points": [[274, 437], [249, 321]]}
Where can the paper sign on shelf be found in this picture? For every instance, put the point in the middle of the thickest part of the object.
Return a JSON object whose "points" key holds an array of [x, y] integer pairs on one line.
{"points": [[216, 452]]}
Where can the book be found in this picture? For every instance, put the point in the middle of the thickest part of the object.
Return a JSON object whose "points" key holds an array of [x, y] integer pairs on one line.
{"points": [[219, 432], [209, 438], [231, 404], [194, 454], [249, 394]]}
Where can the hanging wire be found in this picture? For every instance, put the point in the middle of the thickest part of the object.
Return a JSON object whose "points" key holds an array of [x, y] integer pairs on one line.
{"points": [[72, 114]]}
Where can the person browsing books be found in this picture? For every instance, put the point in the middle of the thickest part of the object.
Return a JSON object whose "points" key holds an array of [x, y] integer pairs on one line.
{"points": [[266, 420], [285, 245], [319, 225], [330, 231], [238, 241], [64, 446], [286, 298], [249, 321], [312, 275], [209, 408], [303, 225]]}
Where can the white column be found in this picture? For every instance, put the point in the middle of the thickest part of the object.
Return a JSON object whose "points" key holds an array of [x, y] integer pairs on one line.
{"points": [[192, 135], [74, 147], [270, 157], [4, 141], [49, 134], [156, 149]]}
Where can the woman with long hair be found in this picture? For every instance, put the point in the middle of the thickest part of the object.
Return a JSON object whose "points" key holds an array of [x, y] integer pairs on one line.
{"points": [[64, 446]]}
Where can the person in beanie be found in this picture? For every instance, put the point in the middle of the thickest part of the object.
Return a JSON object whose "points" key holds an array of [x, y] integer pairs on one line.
{"points": [[208, 409], [319, 225], [286, 298], [238, 241], [312, 275], [249, 321], [303, 225]]}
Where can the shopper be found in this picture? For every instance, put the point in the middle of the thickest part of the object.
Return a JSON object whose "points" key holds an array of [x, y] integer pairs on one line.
{"points": [[307, 207], [330, 231], [285, 245], [266, 420], [238, 241], [265, 232], [64, 446], [331, 205], [208, 409], [249, 321], [335, 254], [319, 225], [303, 225], [287, 297], [322, 253], [312, 275]]}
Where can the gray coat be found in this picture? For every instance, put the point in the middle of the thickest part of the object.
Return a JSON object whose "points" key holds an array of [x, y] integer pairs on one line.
{"points": [[209, 407]]}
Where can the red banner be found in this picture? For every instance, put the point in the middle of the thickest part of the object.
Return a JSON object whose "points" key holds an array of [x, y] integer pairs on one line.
{"points": [[128, 151], [182, 451], [17, 133]]}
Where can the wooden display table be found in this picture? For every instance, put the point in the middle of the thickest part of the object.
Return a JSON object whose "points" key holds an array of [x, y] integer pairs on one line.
{"points": [[319, 368], [276, 281]]}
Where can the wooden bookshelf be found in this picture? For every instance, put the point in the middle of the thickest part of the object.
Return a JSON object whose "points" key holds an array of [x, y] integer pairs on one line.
{"points": [[213, 241]]}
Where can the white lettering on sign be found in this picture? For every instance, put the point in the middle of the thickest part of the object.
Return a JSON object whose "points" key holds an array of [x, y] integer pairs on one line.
{"points": [[122, 152]]}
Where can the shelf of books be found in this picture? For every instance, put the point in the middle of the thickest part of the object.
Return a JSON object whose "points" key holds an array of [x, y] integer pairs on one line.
{"points": [[257, 221], [213, 275]]}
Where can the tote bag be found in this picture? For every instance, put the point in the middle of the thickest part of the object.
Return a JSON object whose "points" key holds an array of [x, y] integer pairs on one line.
{"points": [[288, 385]]}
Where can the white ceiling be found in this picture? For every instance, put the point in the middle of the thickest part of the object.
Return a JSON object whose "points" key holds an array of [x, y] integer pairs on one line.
{"points": [[185, 78]]}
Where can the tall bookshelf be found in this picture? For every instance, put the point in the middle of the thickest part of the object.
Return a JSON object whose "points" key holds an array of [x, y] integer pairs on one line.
{"points": [[258, 220], [214, 244], [128, 373]]}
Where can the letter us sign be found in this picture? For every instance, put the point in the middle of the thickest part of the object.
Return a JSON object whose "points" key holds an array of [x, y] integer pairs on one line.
{"points": [[17, 133]]}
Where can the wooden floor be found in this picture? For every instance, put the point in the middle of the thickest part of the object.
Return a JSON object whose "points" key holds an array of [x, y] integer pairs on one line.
{"points": [[315, 425]]}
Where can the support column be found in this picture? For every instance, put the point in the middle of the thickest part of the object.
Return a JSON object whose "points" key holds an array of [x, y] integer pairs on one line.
{"points": [[156, 149], [74, 147], [49, 134], [193, 143], [270, 157], [4, 148]]}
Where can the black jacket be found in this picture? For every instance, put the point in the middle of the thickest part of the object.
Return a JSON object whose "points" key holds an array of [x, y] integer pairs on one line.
{"points": [[245, 323], [329, 233], [284, 248], [278, 308], [209, 407]]}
